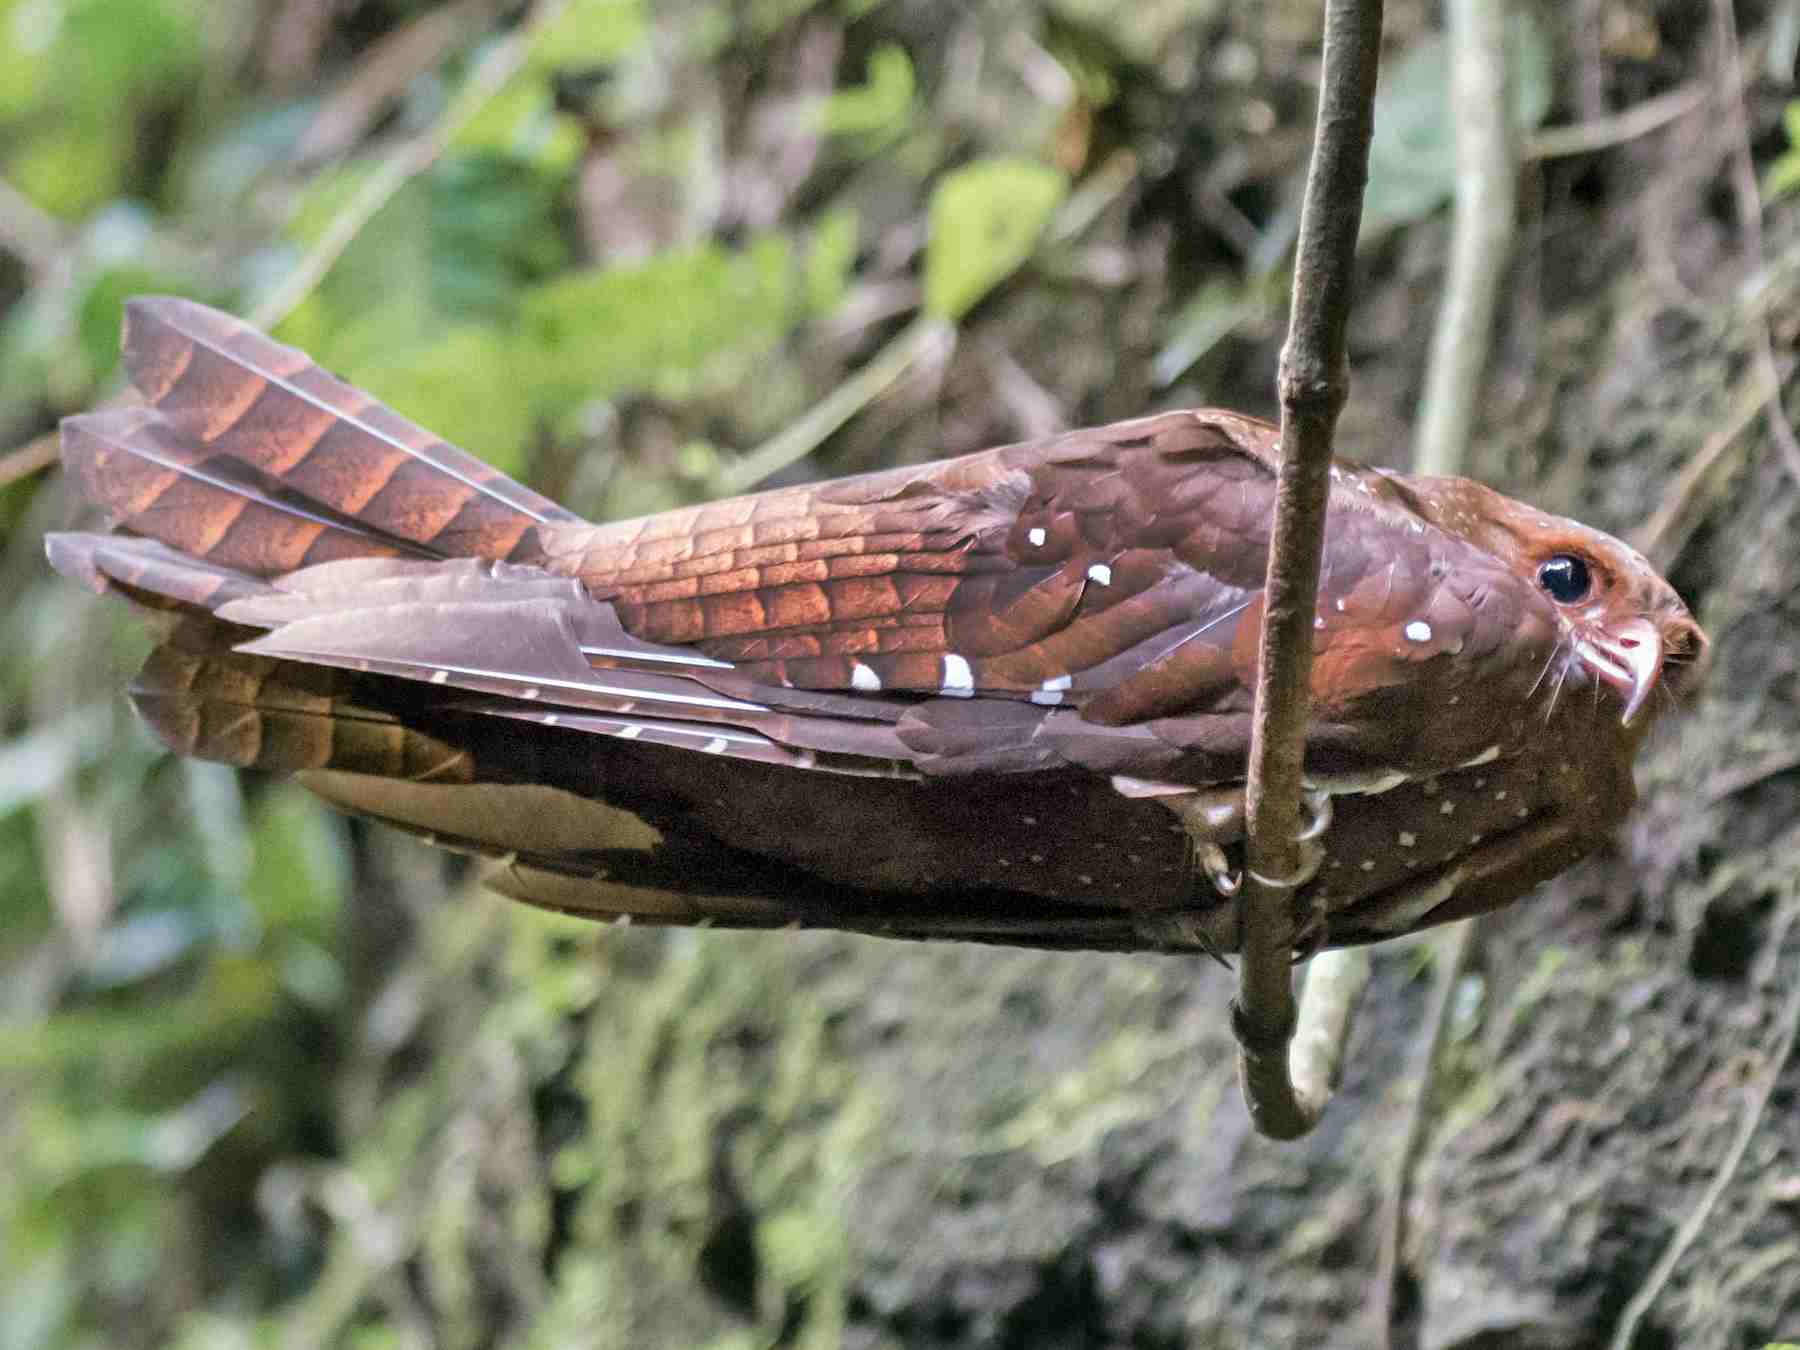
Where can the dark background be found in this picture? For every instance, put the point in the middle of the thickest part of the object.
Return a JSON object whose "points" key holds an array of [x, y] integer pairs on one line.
{"points": [[268, 1078]]}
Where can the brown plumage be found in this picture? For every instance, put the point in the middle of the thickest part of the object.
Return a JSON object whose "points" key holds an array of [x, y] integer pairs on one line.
{"points": [[951, 700]]}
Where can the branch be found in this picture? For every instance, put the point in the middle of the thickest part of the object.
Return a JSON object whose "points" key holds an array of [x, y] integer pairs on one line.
{"points": [[1313, 385], [1481, 234], [1749, 213]]}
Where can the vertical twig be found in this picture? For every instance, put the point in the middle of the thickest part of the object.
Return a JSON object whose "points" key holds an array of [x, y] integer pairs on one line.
{"points": [[1313, 385], [1481, 235], [1749, 213]]}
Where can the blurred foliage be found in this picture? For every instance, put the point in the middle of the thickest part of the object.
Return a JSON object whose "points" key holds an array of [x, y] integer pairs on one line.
{"points": [[260, 1082]]}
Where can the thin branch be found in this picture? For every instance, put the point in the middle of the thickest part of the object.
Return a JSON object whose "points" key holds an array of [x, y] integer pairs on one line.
{"points": [[1661, 537], [1756, 1106], [1749, 212], [1481, 234], [33, 457], [924, 335], [1603, 133], [500, 64], [1313, 385], [1451, 958], [383, 74]]}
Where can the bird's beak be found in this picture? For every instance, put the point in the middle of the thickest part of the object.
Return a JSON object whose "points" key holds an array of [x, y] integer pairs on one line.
{"points": [[1627, 656]]}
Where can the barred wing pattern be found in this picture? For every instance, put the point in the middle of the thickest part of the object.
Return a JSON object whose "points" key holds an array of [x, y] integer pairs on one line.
{"points": [[892, 703]]}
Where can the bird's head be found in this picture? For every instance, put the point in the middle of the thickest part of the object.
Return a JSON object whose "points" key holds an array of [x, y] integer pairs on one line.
{"points": [[1620, 625]]}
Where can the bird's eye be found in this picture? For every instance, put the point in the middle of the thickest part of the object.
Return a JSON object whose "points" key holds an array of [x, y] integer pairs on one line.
{"points": [[1565, 578]]}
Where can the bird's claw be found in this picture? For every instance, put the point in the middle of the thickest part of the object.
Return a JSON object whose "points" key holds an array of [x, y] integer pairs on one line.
{"points": [[1218, 870], [1312, 934], [1315, 806]]}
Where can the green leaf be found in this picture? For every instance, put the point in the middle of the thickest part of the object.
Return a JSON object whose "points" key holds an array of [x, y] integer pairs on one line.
{"points": [[687, 318], [300, 860], [985, 221], [878, 111], [476, 386]]}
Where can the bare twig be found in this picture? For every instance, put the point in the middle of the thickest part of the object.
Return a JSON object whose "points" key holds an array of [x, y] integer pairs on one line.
{"points": [[384, 72], [500, 64], [33, 457], [1452, 947], [1602, 133], [1313, 385], [924, 335], [1481, 234], [1756, 1105], [1660, 538], [1749, 211]]}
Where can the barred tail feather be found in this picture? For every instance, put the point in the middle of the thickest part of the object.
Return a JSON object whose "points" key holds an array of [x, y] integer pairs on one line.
{"points": [[249, 455]]}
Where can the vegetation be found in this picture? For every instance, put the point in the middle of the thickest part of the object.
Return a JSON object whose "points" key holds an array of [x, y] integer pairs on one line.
{"points": [[272, 1078]]}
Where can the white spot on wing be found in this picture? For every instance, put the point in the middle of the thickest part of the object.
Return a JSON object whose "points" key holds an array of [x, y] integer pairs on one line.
{"points": [[1100, 574], [1408, 839], [439, 676], [1419, 631], [959, 680], [864, 679], [1037, 537], [1487, 756], [715, 746]]}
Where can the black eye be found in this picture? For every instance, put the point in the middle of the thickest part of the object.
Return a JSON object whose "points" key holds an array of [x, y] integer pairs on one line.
{"points": [[1565, 577]]}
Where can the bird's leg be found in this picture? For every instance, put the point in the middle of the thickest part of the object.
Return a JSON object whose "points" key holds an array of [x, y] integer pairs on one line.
{"points": [[1214, 817]]}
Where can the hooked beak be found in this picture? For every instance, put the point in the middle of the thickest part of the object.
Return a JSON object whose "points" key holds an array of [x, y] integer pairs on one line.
{"points": [[1628, 657]]}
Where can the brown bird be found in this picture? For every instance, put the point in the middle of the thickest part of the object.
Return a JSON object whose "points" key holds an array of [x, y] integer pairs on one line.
{"points": [[1004, 697]]}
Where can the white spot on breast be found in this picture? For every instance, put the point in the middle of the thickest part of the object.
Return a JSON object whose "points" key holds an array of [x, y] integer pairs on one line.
{"points": [[864, 679], [1367, 865], [1408, 839], [1100, 574], [1027, 820], [1318, 621], [1419, 631], [1340, 606], [959, 680], [1474, 839], [1037, 537], [1447, 809], [1500, 796]]}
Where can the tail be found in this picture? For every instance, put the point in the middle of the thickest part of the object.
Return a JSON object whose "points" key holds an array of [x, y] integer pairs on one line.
{"points": [[248, 456]]}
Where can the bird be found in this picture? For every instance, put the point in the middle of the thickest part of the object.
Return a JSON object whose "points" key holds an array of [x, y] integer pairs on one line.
{"points": [[1004, 697]]}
